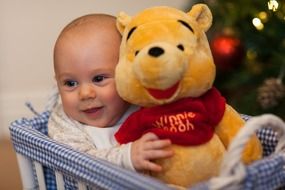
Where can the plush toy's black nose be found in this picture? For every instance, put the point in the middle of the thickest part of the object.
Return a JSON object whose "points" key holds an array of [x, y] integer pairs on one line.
{"points": [[155, 51]]}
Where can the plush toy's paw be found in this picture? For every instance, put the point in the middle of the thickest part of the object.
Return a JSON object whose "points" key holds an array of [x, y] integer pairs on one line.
{"points": [[229, 127], [252, 151]]}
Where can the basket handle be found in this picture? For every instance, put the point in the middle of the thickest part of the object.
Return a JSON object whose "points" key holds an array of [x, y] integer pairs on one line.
{"points": [[233, 170]]}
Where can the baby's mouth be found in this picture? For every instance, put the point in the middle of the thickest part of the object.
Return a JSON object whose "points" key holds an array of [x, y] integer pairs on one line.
{"points": [[163, 94], [92, 110]]}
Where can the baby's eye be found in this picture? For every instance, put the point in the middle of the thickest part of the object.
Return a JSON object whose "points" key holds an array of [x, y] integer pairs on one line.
{"points": [[70, 83], [98, 78]]}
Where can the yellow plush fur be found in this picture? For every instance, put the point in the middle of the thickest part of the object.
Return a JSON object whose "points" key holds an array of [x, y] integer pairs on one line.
{"points": [[186, 61]]}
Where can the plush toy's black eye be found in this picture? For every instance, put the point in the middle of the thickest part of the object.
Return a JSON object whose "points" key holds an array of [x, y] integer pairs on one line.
{"points": [[137, 52], [181, 47]]}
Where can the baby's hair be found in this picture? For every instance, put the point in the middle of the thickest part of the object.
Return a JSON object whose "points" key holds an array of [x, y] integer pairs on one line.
{"points": [[88, 19], [98, 20]]}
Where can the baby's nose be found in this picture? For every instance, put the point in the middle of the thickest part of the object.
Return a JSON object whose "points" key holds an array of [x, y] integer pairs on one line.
{"points": [[87, 91]]}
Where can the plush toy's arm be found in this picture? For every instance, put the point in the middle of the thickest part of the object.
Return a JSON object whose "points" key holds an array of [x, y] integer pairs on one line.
{"points": [[130, 129], [229, 127]]}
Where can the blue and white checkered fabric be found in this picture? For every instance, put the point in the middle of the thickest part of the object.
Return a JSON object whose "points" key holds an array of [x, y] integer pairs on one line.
{"points": [[268, 138], [29, 137], [268, 173]]}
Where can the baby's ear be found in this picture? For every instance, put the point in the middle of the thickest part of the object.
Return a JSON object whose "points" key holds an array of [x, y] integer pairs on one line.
{"points": [[203, 16], [122, 21]]}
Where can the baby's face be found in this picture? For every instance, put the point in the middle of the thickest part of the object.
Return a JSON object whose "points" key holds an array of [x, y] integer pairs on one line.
{"points": [[84, 68]]}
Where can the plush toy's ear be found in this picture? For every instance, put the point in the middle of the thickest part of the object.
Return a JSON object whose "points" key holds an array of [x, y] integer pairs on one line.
{"points": [[202, 14], [122, 21]]}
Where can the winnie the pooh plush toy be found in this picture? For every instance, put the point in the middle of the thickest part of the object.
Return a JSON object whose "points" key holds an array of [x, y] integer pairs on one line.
{"points": [[166, 67]]}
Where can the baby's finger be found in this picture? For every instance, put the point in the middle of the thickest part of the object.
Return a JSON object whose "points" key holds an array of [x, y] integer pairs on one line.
{"points": [[157, 154], [157, 144], [149, 137], [150, 166]]}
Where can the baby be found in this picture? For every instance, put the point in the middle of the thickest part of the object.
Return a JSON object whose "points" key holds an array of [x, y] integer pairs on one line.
{"points": [[90, 111]]}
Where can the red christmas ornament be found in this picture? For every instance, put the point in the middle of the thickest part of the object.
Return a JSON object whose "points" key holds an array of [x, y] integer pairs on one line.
{"points": [[228, 52]]}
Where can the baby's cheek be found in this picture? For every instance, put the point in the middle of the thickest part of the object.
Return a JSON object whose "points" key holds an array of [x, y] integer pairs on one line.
{"points": [[110, 92], [70, 106]]}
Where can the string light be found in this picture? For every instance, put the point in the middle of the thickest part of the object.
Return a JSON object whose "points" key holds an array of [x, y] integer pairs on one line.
{"points": [[263, 16], [251, 54], [272, 5], [257, 23]]}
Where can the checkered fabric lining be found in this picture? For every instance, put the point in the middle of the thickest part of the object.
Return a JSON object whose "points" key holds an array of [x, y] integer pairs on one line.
{"points": [[29, 138], [266, 174], [267, 137]]}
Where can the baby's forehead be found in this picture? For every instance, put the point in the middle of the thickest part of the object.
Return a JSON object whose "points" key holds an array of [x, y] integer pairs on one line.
{"points": [[95, 21], [89, 30]]}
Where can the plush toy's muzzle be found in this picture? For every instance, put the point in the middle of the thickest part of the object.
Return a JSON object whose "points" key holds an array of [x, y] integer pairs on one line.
{"points": [[160, 67]]}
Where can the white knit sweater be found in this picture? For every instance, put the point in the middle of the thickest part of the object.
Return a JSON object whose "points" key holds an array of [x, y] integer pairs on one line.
{"points": [[98, 142]]}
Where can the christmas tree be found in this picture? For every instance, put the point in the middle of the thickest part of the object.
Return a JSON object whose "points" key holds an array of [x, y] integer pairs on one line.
{"points": [[247, 40]]}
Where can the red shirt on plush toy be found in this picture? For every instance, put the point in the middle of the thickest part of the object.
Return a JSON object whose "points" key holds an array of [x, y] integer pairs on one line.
{"points": [[189, 121]]}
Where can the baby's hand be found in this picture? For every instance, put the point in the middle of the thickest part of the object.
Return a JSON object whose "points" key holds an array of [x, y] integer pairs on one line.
{"points": [[149, 147]]}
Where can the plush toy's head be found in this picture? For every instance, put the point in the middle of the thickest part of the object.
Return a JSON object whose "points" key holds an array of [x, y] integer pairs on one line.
{"points": [[164, 55]]}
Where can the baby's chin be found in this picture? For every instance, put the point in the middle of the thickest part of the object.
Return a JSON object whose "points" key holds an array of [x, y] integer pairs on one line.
{"points": [[98, 124]]}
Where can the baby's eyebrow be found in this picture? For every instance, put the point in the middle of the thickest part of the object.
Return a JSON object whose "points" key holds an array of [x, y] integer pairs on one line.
{"points": [[130, 32], [64, 75], [186, 25]]}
